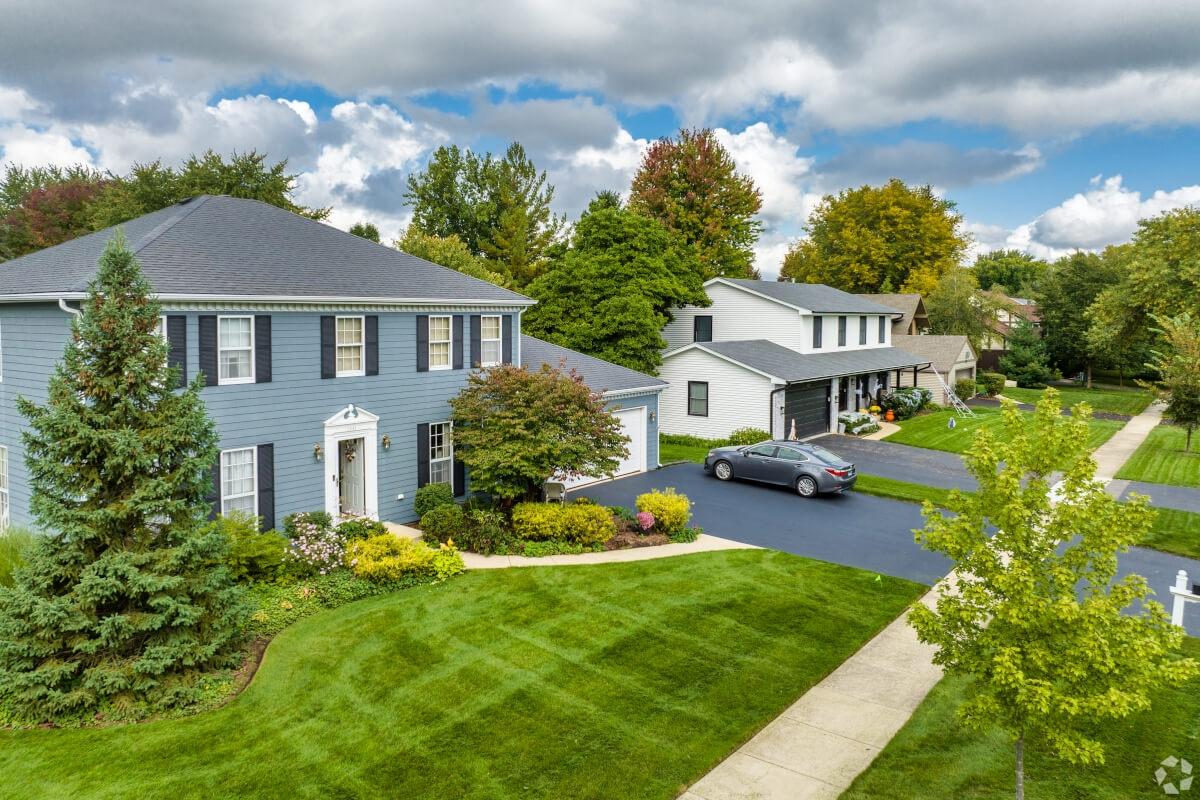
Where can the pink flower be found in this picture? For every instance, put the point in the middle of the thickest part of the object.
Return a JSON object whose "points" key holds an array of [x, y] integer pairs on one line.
{"points": [[645, 520]]}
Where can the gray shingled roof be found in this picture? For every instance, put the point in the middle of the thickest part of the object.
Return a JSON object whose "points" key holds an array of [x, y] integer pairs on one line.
{"points": [[942, 351], [815, 297], [230, 247], [907, 304], [599, 375], [791, 366]]}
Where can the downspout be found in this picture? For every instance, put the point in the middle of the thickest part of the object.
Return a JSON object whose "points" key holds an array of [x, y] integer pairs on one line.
{"points": [[62, 303]]}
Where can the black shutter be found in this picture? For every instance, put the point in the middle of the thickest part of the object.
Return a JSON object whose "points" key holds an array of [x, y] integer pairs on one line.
{"points": [[422, 454], [208, 349], [177, 346], [371, 332], [262, 348], [422, 343], [328, 347], [460, 478], [266, 485], [862, 330], [702, 328], [882, 330], [458, 341], [476, 340], [214, 490], [818, 324], [841, 331], [506, 336]]}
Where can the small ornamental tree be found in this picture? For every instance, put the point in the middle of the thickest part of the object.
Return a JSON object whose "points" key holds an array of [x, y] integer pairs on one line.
{"points": [[128, 602], [1178, 368], [515, 428], [1051, 641]]}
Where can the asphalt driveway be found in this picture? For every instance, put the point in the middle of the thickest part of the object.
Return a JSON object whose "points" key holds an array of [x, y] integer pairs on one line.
{"points": [[901, 462], [858, 530]]}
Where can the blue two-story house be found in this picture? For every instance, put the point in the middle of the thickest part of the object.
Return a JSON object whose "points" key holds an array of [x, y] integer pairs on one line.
{"points": [[328, 359]]}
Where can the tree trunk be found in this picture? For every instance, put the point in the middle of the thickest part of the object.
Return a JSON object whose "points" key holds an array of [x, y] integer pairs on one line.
{"points": [[1089, 381], [1021, 766]]}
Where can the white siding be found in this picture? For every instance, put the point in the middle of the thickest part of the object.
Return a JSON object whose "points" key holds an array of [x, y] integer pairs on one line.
{"points": [[737, 316], [737, 397]]}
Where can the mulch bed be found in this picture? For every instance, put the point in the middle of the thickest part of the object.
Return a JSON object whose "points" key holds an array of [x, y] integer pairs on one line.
{"points": [[626, 539]]}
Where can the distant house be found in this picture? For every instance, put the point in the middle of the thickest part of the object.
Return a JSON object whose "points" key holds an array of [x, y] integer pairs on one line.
{"points": [[328, 359], [1011, 312], [950, 357], [783, 357], [912, 320]]}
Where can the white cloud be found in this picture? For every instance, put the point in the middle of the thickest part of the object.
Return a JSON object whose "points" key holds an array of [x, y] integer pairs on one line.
{"points": [[20, 144], [776, 168]]}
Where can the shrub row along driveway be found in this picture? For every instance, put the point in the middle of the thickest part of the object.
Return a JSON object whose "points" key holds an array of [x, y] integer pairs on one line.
{"points": [[854, 529]]}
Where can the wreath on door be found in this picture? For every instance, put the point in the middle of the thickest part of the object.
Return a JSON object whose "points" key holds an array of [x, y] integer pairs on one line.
{"points": [[351, 452]]}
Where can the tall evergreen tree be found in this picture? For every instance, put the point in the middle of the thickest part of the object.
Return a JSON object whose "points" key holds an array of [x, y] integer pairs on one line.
{"points": [[1025, 361], [1064, 294], [126, 603]]}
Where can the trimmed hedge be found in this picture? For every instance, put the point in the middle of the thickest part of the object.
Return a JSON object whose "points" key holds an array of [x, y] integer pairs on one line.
{"points": [[578, 523], [993, 382]]}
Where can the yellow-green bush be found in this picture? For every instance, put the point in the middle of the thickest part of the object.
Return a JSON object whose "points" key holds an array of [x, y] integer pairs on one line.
{"points": [[539, 522], [388, 558], [588, 524], [671, 510]]}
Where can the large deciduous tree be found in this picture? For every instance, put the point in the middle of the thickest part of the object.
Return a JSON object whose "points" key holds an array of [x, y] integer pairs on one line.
{"points": [[1064, 294], [691, 185], [873, 237], [1050, 640], [1177, 363], [499, 207], [449, 251], [515, 428], [612, 292], [1013, 271], [126, 602]]}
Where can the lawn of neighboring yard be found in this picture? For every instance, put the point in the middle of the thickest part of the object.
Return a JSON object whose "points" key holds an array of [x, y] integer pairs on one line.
{"points": [[614, 681], [933, 758], [1161, 458], [900, 490], [1176, 532], [1131, 401], [930, 430], [684, 448]]}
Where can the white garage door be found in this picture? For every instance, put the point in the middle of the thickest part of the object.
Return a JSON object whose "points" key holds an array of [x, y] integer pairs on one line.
{"points": [[633, 425]]}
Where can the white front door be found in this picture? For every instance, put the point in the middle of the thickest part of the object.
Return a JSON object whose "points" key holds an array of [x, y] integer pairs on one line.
{"points": [[352, 485], [633, 425]]}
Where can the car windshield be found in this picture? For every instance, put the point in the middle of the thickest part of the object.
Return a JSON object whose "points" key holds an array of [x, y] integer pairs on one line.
{"points": [[833, 459]]}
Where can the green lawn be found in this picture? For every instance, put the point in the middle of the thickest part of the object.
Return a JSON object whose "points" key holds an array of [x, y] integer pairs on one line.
{"points": [[615, 681], [933, 758], [900, 490], [1175, 532], [930, 430], [683, 448], [1162, 459], [1131, 401]]}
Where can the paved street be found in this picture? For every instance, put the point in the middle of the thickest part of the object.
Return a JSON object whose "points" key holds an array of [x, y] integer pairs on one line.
{"points": [[901, 462]]}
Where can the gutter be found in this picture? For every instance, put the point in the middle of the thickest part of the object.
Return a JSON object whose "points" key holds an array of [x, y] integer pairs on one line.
{"points": [[62, 303], [297, 300]]}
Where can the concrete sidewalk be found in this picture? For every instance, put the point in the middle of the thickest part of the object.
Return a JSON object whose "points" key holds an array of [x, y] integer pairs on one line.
{"points": [[1113, 454], [815, 749]]}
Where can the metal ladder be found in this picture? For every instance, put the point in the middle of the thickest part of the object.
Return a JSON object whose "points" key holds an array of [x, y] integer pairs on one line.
{"points": [[959, 406]]}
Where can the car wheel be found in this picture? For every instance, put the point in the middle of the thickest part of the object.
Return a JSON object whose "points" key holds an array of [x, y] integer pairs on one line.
{"points": [[723, 470], [806, 486]]}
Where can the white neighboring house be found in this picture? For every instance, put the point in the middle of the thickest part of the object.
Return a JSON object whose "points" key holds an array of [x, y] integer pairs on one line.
{"points": [[784, 357]]}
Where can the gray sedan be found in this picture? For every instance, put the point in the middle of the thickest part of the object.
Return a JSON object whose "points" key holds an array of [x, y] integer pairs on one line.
{"points": [[807, 468]]}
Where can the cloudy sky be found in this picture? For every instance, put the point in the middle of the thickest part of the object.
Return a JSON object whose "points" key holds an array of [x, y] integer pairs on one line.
{"points": [[1053, 125]]}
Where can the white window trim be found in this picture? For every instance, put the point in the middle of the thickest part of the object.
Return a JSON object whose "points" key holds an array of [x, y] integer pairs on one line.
{"points": [[499, 340], [449, 343], [362, 347], [253, 477], [234, 381], [5, 494], [449, 459]]}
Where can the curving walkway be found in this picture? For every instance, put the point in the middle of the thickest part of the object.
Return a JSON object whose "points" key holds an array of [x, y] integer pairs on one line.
{"points": [[703, 544]]}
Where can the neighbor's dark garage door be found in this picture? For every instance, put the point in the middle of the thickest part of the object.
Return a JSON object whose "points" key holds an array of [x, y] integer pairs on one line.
{"points": [[806, 405]]}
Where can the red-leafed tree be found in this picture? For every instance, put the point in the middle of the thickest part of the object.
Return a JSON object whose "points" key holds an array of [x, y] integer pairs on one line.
{"points": [[691, 185]]}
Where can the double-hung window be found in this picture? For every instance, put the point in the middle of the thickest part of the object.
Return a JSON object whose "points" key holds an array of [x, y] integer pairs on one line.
{"points": [[3, 488], [350, 347], [239, 484], [862, 329], [489, 341], [235, 350], [698, 398], [818, 324], [439, 342], [441, 453]]}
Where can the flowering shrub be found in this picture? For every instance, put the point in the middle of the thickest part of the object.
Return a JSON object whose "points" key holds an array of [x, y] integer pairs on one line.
{"points": [[313, 550], [671, 510], [360, 528], [645, 520], [857, 423], [906, 401]]}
